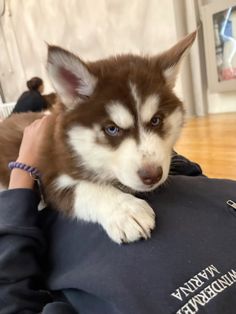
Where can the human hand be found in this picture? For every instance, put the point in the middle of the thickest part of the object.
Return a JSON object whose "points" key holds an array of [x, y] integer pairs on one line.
{"points": [[33, 138], [29, 153]]}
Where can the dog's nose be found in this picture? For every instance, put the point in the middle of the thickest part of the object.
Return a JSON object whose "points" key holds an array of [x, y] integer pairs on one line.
{"points": [[150, 174]]}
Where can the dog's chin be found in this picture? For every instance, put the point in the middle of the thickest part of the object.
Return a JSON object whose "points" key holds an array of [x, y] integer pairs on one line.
{"points": [[147, 188], [142, 187]]}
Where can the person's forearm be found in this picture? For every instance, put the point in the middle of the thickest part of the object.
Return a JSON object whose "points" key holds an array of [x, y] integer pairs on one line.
{"points": [[20, 179]]}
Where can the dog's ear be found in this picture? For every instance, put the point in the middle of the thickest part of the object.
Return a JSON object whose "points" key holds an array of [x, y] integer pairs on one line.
{"points": [[170, 60], [70, 76]]}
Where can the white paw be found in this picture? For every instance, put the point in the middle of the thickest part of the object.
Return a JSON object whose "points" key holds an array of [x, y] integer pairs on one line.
{"points": [[131, 220]]}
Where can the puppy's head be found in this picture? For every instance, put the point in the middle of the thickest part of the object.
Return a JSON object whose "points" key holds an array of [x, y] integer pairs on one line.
{"points": [[123, 117]]}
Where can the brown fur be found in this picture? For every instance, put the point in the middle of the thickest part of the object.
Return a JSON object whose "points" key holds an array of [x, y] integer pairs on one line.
{"points": [[51, 100]]}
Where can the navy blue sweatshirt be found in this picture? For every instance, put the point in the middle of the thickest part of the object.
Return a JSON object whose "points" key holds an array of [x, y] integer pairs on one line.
{"points": [[51, 264]]}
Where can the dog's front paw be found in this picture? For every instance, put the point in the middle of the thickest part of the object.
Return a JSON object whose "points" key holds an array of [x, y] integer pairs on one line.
{"points": [[131, 220]]}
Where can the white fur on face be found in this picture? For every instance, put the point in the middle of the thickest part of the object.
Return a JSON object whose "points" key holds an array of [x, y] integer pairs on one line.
{"points": [[93, 156], [131, 157], [149, 108], [124, 162], [174, 122], [135, 95], [120, 115]]}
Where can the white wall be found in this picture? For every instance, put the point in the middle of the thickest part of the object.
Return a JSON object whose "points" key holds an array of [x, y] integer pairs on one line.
{"points": [[92, 29], [221, 102]]}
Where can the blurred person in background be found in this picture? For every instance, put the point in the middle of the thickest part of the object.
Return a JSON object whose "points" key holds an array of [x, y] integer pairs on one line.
{"points": [[32, 100]]}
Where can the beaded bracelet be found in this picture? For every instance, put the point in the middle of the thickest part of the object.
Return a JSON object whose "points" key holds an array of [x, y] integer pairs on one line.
{"points": [[19, 165], [34, 172]]}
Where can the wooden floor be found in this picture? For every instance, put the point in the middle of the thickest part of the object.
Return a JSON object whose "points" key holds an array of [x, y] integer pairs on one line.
{"points": [[211, 142]]}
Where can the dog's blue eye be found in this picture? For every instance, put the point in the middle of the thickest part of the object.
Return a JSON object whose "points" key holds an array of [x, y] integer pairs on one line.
{"points": [[112, 130], [156, 120]]}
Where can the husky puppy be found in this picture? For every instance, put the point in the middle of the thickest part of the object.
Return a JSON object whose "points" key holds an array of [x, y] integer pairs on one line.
{"points": [[115, 137]]}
